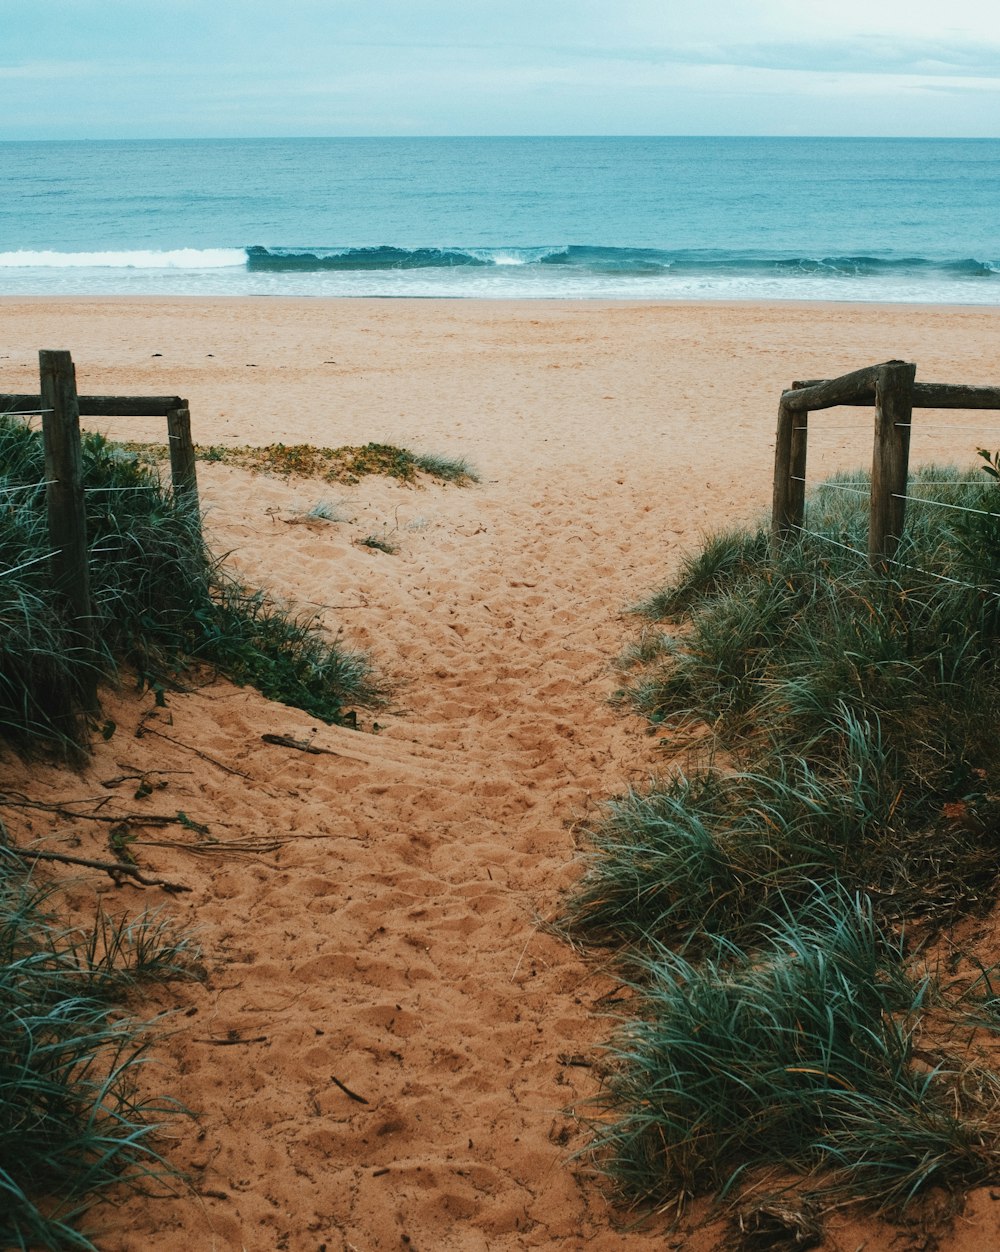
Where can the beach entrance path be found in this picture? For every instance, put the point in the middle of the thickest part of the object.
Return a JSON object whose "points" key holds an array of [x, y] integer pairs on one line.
{"points": [[387, 1041]]}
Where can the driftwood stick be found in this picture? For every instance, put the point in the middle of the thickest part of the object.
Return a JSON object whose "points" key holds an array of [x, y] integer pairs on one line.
{"points": [[17, 801], [302, 745], [138, 776], [116, 870], [347, 1091], [232, 1043]]}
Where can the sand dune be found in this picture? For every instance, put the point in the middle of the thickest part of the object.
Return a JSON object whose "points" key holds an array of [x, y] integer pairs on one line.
{"points": [[375, 933]]}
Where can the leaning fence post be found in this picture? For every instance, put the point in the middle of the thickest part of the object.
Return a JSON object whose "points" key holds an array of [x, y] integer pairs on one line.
{"points": [[890, 459], [183, 472], [67, 519]]}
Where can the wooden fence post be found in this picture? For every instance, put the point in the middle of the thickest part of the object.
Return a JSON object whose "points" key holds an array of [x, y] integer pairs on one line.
{"points": [[183, 471], [890, 459], [783, 506], [797, 468], [67, 519]]}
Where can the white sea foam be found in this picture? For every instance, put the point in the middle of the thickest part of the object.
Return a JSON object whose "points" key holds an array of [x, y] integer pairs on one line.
{"points": [[178, 259], [515, 256]]}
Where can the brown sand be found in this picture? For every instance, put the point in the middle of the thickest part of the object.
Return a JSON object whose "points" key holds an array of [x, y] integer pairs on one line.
{"points": [[390, 941]]}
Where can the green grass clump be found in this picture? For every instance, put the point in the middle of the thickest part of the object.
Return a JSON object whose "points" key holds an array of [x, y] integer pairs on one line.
{"points": [[159, 599], [798, 1057], [379, 543], [73, 1121], [843, 780], [287, 658]]}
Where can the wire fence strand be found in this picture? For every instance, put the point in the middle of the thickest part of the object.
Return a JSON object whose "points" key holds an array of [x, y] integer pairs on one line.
{"points": [[15, 569], [916, 569], [46, 482], [943, 504]]}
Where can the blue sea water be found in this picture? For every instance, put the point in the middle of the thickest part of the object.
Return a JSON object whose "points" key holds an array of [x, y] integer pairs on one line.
{"points": [[621, 218]]}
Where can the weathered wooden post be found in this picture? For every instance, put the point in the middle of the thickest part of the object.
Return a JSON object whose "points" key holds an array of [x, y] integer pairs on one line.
{"points": [[890, 459], [183, 471], [789, 463], [67, 519]]}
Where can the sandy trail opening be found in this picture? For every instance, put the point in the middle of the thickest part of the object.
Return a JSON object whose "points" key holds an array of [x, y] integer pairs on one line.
{"points": [[391, 944]]}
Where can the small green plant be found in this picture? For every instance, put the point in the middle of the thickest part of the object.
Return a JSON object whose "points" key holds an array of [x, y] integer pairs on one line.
{"points": [[380, 542], [992, 466], [323, 511], [447, 469]]}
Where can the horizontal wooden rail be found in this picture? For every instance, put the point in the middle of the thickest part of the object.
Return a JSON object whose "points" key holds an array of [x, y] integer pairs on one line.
{"points": [[101, 406], [925, 395], [857, 387]]}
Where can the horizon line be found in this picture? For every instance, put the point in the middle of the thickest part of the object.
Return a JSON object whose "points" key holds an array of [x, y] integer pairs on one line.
{"points": [[533, 135]]}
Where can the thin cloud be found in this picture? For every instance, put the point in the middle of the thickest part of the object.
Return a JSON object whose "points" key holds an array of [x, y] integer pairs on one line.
{"points": [[870, 55]]}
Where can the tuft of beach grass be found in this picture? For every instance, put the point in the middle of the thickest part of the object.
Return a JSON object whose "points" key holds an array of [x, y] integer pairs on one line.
{"points": [[75, 1122]]}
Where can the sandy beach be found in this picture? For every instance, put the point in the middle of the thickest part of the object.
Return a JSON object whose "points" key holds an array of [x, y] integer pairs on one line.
{"points": [[382, 935]]}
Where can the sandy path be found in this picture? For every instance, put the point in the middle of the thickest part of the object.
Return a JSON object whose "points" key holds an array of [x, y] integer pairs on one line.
{"points": [[391, 942]]}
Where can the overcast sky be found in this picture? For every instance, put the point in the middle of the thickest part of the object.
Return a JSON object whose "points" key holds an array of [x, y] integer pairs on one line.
{"points": [[229, 68]]}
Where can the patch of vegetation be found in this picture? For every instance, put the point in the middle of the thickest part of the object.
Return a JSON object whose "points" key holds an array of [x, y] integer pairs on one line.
{"points": [[333, 465], [803, 1053], [73, 1122], [855, 713], [287, 658], [323, 511], [845, 781], [380, 542], [159, 598]]}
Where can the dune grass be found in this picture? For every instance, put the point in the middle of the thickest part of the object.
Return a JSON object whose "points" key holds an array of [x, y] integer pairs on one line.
{"points": [[74, 1122], [798, 1055], [160, 600], [333, 465], [855, 713], [843, 780]]}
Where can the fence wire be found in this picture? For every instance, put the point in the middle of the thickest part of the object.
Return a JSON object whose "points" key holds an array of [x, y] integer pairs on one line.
{"points": [[16, 569], [916, 569]]}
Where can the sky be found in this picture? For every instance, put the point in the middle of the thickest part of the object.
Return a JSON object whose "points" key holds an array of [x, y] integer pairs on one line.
{"points": [[120, 69]]}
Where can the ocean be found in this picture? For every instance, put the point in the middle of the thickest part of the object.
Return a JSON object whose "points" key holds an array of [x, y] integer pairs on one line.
{"points": [[896, 220]]}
